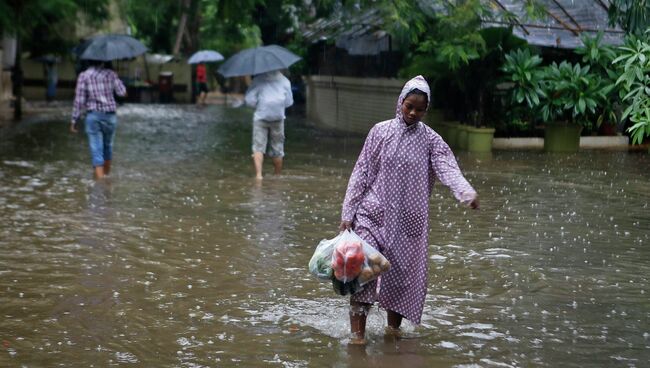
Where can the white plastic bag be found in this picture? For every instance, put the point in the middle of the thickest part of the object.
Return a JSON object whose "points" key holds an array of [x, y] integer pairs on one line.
{"points": [[320, 264]]}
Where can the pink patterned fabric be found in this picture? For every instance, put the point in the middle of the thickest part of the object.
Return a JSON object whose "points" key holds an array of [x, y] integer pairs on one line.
{"points": [[387, 200], [94, 91]]}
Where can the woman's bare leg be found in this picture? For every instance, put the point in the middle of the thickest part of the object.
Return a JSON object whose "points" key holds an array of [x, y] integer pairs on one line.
{"points": [[394, 319], [99, 172], [358, 315], [277, 165], [394, 323], [258, 160], [107, 167]]}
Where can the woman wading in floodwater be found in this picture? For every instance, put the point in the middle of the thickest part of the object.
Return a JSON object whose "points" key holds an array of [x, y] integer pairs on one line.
{"points": [[387, 204]]}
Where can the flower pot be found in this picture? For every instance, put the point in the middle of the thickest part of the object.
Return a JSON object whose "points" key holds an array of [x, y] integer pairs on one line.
{"points": [[479, 139], [607, 129], [562, 137]]}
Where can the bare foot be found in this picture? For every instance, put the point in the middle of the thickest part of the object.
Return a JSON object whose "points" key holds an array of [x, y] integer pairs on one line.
{"points": [[259, 177]]}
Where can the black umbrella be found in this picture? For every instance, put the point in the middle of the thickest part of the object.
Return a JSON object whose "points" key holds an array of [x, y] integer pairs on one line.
{"points": [[112, 47], [258, 60], [81, 47]]}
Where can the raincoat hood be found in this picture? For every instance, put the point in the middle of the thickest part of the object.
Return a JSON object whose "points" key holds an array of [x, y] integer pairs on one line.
{"points": [[416, 83]]}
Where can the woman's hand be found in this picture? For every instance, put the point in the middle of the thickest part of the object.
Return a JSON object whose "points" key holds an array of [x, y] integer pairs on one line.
{"points": [[469, 199], [345, 225], [73, 128], [474, 203]]}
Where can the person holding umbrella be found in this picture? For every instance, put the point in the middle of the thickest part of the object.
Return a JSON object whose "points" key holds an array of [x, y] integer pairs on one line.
{"points": [[94, 94], [201, 84], [200, 58], [270, 94]]}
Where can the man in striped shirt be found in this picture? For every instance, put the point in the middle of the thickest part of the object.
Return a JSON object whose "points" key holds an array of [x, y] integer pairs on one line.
{"points": [[94, 94]]}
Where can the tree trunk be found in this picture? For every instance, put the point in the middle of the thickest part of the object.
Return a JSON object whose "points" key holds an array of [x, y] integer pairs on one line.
{"points": [[481, 108], [185, 4], [193, 26]]}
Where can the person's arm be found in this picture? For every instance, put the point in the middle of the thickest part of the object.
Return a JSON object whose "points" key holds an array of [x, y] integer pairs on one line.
{"points": [[359, 180], [288, 95], [446, 169], [79, 101], [251, 95], [119, 87]]}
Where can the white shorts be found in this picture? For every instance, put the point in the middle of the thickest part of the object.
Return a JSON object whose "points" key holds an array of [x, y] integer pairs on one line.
{"points": [[269, 133]]}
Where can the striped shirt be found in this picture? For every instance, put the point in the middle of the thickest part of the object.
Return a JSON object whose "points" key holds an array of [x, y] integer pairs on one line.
{"points": [[95, 88]]}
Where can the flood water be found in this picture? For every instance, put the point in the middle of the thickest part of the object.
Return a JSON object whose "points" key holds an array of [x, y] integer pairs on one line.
{"points": [[181, 260]]}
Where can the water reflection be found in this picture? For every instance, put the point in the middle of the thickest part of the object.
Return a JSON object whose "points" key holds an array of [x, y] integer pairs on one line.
{"points": [[194, 264], [99, 197], [268, 204]]}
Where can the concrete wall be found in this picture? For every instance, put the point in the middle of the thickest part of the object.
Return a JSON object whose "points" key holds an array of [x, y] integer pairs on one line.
{"points": [[617, 142], [354, 105], [34, 80], [350, 105]]}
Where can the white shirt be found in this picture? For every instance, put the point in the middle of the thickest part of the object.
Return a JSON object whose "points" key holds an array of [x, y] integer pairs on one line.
{"points": [[270, 93]]}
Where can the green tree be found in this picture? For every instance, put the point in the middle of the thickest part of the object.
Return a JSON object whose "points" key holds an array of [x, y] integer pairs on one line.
{"points": [[453, 50], [154, 25], [225, 25], [37, 24]]}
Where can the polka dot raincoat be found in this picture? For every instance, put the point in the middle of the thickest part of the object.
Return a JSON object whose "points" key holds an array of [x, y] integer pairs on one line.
{"points": [[387, 200]]}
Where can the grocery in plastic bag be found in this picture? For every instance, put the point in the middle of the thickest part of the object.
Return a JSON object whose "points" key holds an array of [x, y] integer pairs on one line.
{"points": [[345, 288], [320, 264], [354, 258], [348, 261]]}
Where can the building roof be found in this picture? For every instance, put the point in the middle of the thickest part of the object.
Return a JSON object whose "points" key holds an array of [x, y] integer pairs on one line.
{"points": [[562, 24], [359, 34]]}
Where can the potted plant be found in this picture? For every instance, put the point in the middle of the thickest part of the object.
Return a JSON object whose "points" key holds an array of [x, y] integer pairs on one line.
{"points": [[634, 68], [571, 95], [524, 78], [600, 58]]}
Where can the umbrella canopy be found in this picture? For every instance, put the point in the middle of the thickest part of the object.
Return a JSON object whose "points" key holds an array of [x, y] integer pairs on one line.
{"points": [[258, 60], [81, 47], [205, 56], [113, 47]]}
